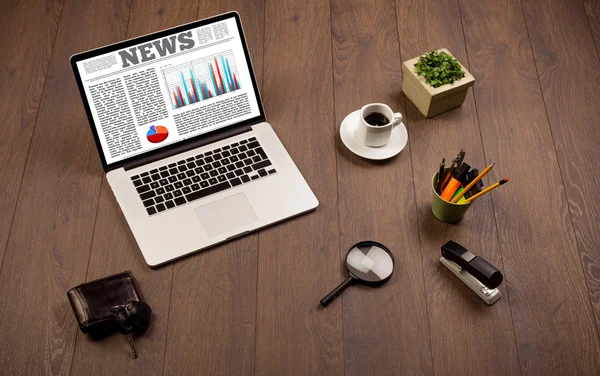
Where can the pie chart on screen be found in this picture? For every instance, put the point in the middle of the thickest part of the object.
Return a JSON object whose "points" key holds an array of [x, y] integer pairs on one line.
{"points": [[157, 133]]}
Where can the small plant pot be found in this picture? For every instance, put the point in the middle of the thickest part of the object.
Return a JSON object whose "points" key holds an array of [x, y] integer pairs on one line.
{"points": [[446, 211], [429, 100]]}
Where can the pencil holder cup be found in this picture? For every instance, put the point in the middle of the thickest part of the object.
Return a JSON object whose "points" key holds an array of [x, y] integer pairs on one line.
{"points": [[446, 211]]}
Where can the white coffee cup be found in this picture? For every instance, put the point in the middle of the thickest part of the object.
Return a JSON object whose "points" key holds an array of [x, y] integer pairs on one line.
{"points": [[377, 135]]}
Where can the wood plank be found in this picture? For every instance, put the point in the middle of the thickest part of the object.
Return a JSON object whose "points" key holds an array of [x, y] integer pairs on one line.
{"points": [[299, 259], [567, 64], [542, 266], [23, 72], [454, 310], [213, 304], [49, 246], [592, 10], [114, 249], [382, 333]]}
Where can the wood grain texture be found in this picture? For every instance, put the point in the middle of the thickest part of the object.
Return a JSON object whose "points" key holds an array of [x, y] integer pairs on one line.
{"points": [[299, 259], [251, 306], [543, 269], [455, 312], [213, 302], [49, 246], [568, 67], [23, 73], [383, 335], [592, 10], [114, 248]]}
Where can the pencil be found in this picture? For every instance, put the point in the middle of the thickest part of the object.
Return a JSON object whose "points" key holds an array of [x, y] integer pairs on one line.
{"points": [[491, 187], [471, 184]]}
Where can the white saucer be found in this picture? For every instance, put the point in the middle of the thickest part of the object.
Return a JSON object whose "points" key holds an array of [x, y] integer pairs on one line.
{"points": [[348, 129]]}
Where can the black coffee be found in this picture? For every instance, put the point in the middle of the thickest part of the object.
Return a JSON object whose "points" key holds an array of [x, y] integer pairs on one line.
{"points": [[376, 119]]}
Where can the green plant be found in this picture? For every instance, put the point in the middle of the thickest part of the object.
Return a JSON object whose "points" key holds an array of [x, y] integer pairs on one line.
{"points": [[439, 68]]}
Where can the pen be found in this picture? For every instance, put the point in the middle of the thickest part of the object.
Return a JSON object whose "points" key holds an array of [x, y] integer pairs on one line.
{"points": [[456, 162], [472, 183], [491, 187], [438, 184]]}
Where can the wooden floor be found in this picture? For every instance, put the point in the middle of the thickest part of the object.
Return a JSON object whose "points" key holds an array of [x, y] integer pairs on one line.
{"points": [[251, 306]]}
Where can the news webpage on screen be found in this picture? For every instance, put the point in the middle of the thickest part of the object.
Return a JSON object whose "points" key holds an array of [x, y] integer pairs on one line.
{"points": [[170, 89]]}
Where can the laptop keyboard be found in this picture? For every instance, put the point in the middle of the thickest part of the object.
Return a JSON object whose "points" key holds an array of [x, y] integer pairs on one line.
{"points": [[196, 177]]}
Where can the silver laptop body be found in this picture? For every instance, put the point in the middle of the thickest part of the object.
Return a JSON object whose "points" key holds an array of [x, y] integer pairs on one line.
{"points": [[182, 135]]}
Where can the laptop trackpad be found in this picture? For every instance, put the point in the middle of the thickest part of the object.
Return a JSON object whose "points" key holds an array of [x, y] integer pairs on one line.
{"points": [[225, 215]]}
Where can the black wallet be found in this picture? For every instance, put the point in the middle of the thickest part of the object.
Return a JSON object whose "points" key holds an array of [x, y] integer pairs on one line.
{"points": [[110, 303]]}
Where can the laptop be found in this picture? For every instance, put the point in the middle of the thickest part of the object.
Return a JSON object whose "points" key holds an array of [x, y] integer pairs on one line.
{"points": [[181, 131]]}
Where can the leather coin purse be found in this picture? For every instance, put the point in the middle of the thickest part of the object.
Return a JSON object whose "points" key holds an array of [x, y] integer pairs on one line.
{"points": [[111, 303]]}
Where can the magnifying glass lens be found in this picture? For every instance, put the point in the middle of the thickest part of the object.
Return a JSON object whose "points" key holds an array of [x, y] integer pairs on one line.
{"points": [[370, 263]]}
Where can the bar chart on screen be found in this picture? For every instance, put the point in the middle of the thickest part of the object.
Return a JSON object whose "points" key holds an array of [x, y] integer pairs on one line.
{"points": [[201, 79]]}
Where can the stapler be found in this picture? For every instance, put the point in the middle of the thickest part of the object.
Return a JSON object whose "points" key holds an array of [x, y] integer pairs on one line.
{"points": [[482, 277]]}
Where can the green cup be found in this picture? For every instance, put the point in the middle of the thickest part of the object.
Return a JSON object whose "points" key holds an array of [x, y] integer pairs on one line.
{"points": [[446, 211]]}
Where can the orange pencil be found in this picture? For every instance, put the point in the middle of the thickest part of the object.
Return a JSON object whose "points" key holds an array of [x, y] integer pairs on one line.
{"points": [[471, 184], [491, 187]]}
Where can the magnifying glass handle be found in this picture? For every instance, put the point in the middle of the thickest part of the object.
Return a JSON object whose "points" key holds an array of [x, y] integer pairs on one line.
{"points": [[332, 295]]}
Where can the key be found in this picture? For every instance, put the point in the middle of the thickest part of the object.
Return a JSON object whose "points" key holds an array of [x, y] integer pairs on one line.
{"points": [[261, 152], [130, 340], [261, 165], [208, 191], [131, 317]]}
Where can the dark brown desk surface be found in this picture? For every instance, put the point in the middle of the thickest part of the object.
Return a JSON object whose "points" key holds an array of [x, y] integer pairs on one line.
{"points": [[251, 306]]}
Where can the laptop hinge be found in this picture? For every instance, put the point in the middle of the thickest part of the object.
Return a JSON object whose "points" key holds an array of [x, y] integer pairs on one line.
{"points": [[205, 141]]}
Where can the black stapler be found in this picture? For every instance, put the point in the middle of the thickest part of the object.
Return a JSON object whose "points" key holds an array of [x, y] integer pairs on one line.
{"points": [[475, 272]]}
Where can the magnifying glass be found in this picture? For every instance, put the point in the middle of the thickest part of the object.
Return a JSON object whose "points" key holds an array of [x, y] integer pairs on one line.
{"points": [[369, 263]]}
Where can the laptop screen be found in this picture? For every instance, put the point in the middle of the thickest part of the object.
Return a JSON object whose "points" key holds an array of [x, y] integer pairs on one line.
{"points": [[168, 87]]}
